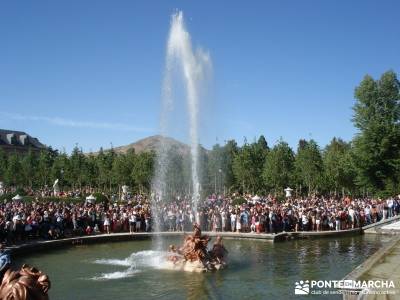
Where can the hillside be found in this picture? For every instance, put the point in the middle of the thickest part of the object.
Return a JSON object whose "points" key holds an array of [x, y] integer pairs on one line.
{"points": [[152, 143]]}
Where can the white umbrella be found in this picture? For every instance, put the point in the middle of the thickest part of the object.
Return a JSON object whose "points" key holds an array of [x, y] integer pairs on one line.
{"points": [[256, 198], [125, 189], [288, 192], [17, 197], [90, 198]]}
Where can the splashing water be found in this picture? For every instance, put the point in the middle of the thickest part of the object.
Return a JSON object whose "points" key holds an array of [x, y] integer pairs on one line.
{"points": [[116, 275], [194, 67], [136, 263]]}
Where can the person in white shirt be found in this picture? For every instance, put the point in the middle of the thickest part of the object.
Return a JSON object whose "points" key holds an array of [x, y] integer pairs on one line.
{"points": [[233, 221], [238, 223], [106, 223], [351, 215], [132, 223], [367, 211], [390, 207]]}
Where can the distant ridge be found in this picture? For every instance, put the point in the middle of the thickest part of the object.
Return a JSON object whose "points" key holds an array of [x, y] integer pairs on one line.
{"points": [[151, 143]]}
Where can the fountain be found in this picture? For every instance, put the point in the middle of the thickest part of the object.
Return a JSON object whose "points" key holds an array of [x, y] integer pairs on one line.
{"points": [[193, 256], [193, 66]]}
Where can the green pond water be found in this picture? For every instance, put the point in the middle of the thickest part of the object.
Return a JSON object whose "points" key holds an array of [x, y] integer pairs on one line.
{"points": [[257, 269]]}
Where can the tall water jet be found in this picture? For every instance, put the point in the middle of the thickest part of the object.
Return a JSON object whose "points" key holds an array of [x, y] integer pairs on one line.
{"points": [[193, 67]]}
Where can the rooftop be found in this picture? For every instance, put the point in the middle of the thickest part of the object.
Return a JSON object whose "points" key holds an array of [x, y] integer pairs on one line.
{"points": [[18, 140]]}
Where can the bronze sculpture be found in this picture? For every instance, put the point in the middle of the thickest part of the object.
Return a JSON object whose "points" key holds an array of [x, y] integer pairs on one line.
{"points": [[26, 283], [194, 256]]}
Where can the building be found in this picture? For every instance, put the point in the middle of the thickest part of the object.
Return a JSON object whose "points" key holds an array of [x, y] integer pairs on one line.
{"points": [[18, 141]]}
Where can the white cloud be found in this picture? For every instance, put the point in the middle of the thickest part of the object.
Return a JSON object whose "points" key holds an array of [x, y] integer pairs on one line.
{"points": [[76, 124]]}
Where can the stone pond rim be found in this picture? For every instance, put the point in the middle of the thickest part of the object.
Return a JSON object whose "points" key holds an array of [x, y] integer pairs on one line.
{"points": [[120, 237]]}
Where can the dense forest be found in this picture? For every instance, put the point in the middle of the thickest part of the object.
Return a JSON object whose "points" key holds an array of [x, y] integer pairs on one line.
{"points": [[368, 164]]}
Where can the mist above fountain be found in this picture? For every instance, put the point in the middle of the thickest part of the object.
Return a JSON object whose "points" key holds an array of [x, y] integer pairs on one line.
{"points": [[192, 66]]}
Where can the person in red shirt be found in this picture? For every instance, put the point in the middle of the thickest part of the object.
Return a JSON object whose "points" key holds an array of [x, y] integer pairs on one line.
{"points": [[89, 230]]}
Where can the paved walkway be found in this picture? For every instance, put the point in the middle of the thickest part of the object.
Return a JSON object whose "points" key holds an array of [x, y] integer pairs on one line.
{"points": [[384, 265], [386, 268], [388, 226], [393, 226]]}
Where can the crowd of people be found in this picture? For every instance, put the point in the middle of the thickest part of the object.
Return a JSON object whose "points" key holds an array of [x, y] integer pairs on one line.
{"points": [[40, 219], [22, 220], [268, 215]]}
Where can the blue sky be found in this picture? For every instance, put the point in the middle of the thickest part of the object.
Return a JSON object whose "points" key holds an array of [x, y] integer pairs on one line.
{"points": [[90, 72]]}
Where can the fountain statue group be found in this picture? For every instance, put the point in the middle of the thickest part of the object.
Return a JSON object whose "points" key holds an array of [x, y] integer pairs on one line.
{"points": [[27, 283], [194, 256]]}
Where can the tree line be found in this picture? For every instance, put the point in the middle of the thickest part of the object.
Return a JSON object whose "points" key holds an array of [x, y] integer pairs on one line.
{"points": [[369, 164], [103, 171]]}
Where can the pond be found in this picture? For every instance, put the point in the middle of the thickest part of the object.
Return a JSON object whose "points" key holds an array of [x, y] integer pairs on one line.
{"points": [[257, 269]]}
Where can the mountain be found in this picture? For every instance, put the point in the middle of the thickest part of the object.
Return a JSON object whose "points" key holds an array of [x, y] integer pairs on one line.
{"points": [[151, 143]]}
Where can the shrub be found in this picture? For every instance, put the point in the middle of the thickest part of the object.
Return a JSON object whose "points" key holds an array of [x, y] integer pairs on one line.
{"points": [[6, 197], [239, 201], [100, 198], [20, 191]]}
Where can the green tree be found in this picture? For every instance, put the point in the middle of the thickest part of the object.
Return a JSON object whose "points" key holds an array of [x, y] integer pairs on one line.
{"points": [[3, 165], [45, 162], [92, 172], [204, 178], [77, 167], [104, 164], [377, 145], [29, 163], [309, 165], [339, 171], [142, 172], [60, 170], [248, 167], [13, 173], [230, 150], [262, 143], [122, 168], [279, 167], [220, 167], [215, 166]]}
